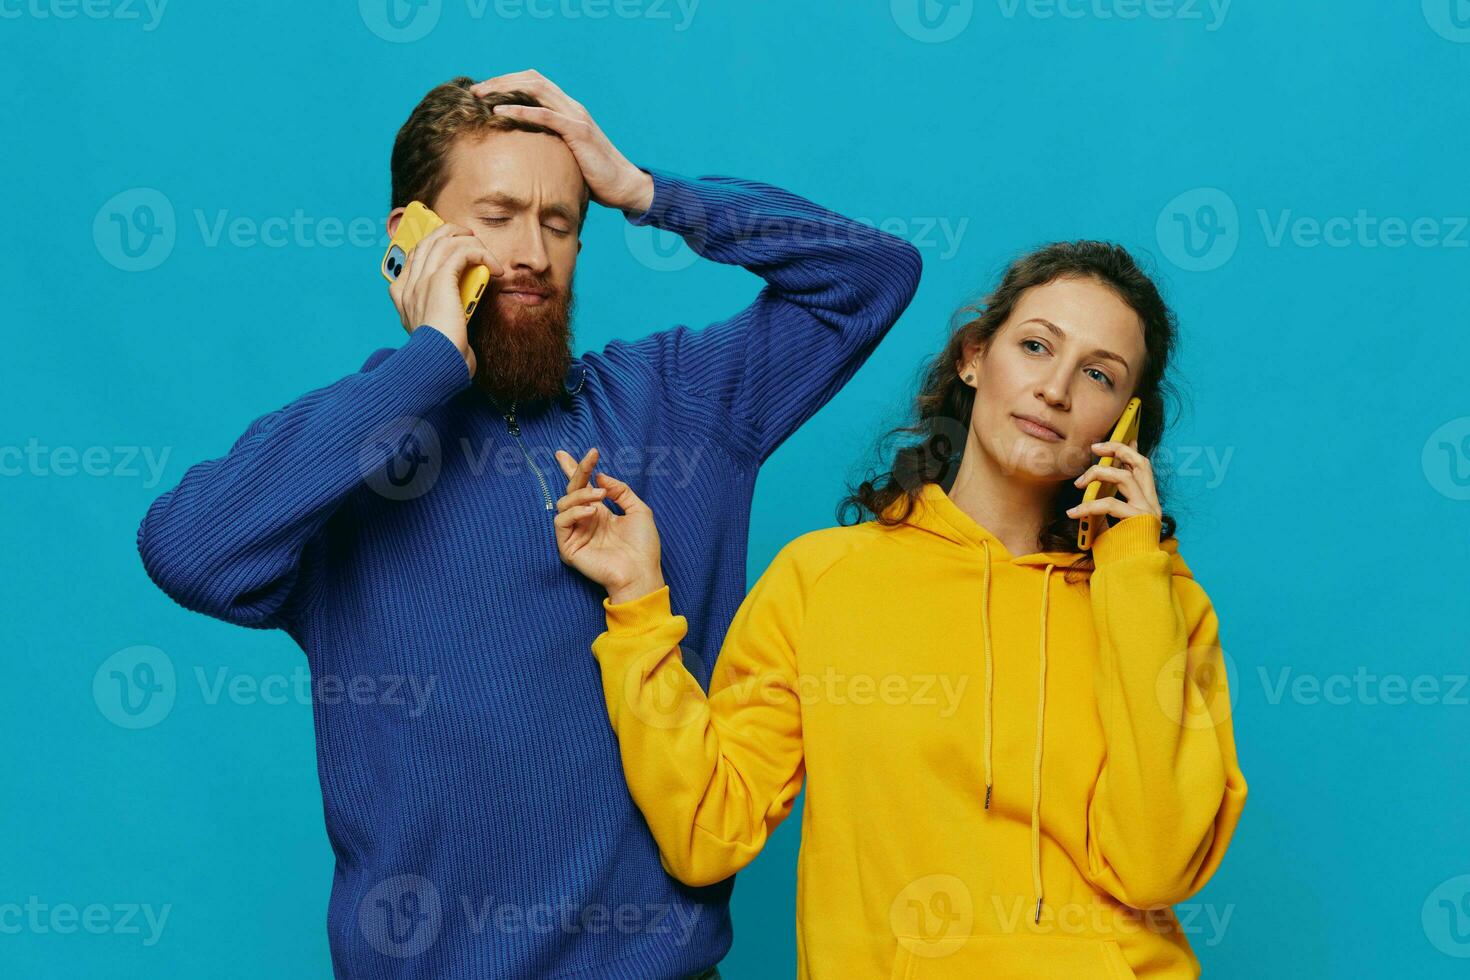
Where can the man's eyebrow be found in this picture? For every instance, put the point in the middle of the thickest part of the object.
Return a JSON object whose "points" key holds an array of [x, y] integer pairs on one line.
{"points": [[502, 199], [1106, 354]]}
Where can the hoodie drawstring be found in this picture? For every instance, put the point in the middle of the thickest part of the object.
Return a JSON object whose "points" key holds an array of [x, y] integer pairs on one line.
{"points": [[1036, 764], [989, 675], [1040, 720]]}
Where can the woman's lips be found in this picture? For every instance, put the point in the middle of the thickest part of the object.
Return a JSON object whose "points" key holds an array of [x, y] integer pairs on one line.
{"points": [[1032, 429]]}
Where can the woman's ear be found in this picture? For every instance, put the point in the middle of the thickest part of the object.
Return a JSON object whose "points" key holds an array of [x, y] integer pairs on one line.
{"points": [[969, 367]]}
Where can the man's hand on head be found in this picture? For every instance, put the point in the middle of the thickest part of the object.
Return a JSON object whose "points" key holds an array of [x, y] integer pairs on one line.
{"points": [[612, 180]]}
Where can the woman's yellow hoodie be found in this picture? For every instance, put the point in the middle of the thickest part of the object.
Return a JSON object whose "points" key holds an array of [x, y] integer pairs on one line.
{"points": [[1001, 768]]}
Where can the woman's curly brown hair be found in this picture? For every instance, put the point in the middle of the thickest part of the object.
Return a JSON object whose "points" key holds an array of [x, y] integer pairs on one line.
{"points": [[936, 442]]}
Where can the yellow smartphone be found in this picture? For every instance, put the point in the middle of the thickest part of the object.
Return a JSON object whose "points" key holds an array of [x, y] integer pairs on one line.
{"points": [[1125, 431], [417, 221]]}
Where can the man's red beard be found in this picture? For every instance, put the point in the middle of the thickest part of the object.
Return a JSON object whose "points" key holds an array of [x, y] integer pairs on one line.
{"points": [[522, 353]]}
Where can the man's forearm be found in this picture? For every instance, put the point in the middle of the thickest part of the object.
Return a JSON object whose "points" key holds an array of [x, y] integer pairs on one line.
{"points": [[227, 539], [807, 252]]}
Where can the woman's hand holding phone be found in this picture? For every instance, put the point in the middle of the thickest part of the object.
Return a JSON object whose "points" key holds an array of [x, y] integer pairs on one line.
{"points": [[1132, 478], [618, 551], [427, 292]]}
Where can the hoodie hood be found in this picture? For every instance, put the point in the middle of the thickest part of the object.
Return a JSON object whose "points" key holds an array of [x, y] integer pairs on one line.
{"points": [[935, 513]]}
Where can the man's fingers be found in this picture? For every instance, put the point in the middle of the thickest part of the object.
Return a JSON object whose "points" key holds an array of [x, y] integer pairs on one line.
{"points": [[423, 258], [461, 253], [567, 126], [512, 79], [532, 82]]}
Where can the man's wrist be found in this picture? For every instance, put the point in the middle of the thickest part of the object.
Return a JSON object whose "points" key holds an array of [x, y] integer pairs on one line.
{"points": [[640, 194]]}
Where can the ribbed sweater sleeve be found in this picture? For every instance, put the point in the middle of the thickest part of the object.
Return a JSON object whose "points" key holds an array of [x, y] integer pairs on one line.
{"points": [[1170, 792], [227, 541], [834, 287]]}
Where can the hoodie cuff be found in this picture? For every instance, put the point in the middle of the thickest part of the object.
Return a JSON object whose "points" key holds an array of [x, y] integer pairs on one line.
{"points": [[639, 615], [1136, 535]]}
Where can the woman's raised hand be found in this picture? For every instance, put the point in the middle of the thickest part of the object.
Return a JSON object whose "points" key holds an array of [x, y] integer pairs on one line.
{"points": [[618, 551]]}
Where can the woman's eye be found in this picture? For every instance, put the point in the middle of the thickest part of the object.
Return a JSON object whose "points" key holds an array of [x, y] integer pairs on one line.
{"points": [[1102, 377], [494, 221], [1036, 342]]}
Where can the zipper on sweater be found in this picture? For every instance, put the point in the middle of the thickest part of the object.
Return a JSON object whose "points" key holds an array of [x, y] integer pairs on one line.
{"points": [[514, 428]]}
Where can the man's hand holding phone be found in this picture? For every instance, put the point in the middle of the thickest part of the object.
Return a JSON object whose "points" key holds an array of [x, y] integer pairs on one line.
{"points": [[427, 292]]}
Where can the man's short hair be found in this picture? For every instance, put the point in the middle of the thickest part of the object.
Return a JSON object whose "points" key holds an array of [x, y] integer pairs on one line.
{"points": [[448, 112]]}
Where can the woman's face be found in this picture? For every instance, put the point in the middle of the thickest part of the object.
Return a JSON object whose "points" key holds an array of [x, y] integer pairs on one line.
{"points": [[1069, 356]]}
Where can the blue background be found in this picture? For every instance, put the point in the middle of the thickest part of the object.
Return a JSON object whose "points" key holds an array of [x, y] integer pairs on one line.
{"points": [[1328, 381]]}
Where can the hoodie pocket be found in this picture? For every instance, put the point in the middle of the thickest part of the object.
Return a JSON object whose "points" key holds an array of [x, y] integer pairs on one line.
{"points": [[1012, 958]]}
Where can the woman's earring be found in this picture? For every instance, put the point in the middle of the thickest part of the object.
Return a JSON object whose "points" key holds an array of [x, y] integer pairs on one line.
{"points": [[969, 379]]}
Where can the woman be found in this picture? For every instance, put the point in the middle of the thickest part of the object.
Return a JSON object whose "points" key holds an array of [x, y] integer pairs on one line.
{"points": [[1018, 755]]}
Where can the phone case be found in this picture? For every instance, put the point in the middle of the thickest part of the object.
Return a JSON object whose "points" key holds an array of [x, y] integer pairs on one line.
{"points": [[417, 221], [1125, 431]]}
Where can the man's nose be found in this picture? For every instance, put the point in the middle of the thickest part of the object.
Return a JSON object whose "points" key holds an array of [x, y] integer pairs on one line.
{"points": [[527, 249]]}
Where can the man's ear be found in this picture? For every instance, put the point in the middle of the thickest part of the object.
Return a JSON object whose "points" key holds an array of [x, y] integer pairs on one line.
{"points": [[394, 216]]}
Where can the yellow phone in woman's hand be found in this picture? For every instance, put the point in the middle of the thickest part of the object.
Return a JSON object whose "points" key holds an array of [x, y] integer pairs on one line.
{"points": [[417, 221], [1125, 431]]}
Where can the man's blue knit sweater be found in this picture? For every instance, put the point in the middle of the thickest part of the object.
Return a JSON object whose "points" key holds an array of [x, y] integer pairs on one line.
{"points": [[399, 528]]}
